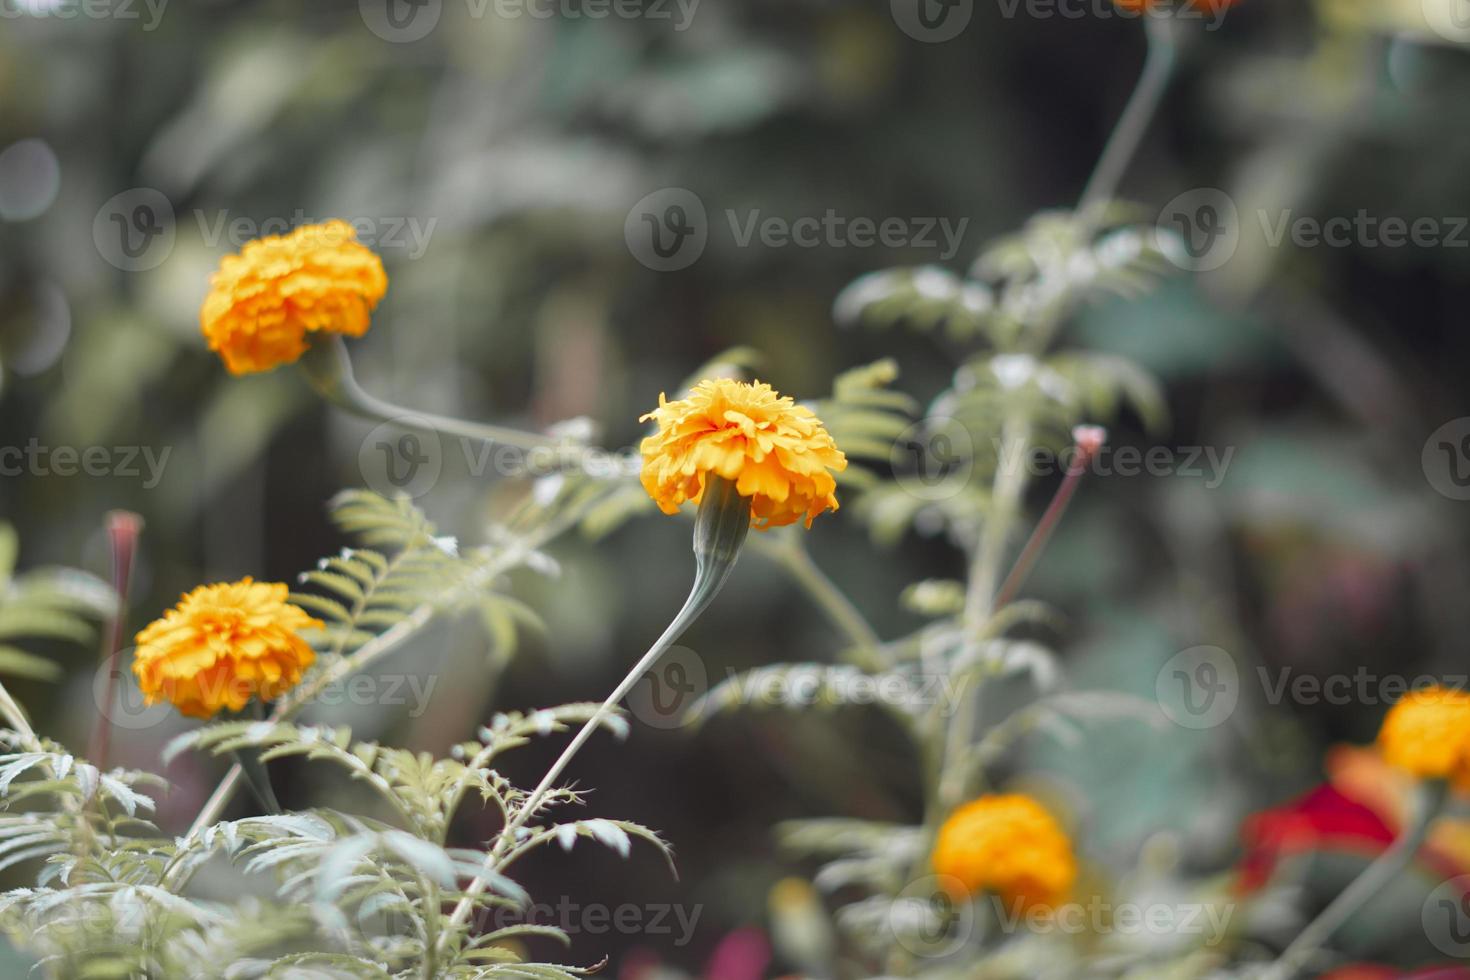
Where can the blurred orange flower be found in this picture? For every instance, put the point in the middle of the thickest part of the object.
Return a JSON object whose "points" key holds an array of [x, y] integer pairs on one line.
{"points": [[222, 645], [1428, 734], [776, 452], [263, 302], [1008, 844]]}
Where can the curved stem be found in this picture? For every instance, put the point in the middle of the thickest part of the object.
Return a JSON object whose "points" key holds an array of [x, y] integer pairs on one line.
{"points": [[719, 530], [1383, 870], [1158, 70], [328, 368]]}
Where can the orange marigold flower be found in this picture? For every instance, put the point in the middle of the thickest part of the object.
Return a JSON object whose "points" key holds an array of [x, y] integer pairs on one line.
{"points": [[1010, 845], [1428, 734], [776, 452], [222, 645], [263, 302]]}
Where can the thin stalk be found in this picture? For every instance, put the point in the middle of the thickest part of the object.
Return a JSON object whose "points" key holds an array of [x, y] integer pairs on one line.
{"points": [[1148, 94], [797, 560], [1005, 503], [123, 528], [1089, 439], [328, 368], [980, 602], [719, 531], [1352, 898]]}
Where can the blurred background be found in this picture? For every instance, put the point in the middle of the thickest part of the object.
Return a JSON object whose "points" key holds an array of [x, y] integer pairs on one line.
{"points": [[502, 157]]}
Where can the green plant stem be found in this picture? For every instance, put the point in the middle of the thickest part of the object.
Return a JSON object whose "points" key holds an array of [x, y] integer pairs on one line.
{"points": [[980, 596], [719, 530], [1123, 143], [792, 555], [1384, 869], [328, 368]]}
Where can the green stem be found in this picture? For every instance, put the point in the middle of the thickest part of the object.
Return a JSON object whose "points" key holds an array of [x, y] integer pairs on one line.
{"points": [[1352, 898], [328, 368], [719, 530], [1153, 82], [980, 600], [797, 560]]}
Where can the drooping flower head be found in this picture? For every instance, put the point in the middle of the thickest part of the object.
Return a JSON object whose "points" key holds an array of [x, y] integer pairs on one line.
{"points": [[1010, 845], [1428, 734], [264, 301], [777, 453], [222, 645]]}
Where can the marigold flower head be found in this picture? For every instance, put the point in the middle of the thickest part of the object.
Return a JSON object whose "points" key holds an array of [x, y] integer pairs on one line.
{"points": [[1007, 844], [777, 453], [221, 645], [1428, 734], [263, 302]]}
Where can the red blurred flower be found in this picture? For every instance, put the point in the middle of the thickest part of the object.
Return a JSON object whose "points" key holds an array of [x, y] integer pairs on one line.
{"points": [[1359, 810]]}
